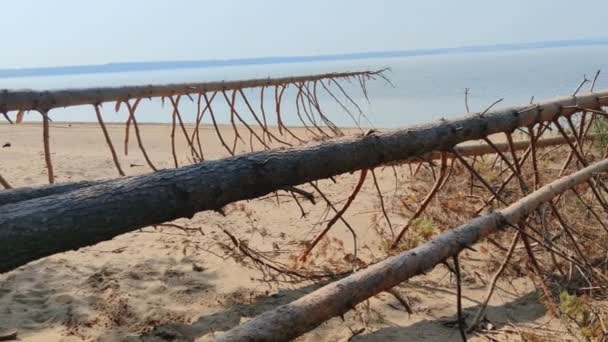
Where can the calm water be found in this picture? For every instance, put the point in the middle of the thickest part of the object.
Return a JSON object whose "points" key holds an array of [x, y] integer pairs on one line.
{"points": [[427, 87]]}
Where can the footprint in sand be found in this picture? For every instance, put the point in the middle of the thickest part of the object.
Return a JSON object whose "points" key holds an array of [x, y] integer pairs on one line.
{"points": [[43, 316], [29, 299], [63, 299]]}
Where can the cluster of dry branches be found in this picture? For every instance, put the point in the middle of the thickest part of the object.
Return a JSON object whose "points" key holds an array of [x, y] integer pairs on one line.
{"points": [[553, 221], [255, 121], [542, 196]]}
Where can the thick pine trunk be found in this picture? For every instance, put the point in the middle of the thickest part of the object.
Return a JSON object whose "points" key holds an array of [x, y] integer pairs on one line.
{"points": [[28, 193], [36, 228]]}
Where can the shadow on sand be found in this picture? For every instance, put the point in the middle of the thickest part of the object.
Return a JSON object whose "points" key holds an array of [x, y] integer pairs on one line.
{"points": [[56, 296], [524, 309], [223, 320]]}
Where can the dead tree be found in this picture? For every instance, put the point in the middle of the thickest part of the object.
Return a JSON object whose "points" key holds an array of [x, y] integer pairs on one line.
{"points": [[292, 320], [22, 101], [43, 226], [27, 193]]}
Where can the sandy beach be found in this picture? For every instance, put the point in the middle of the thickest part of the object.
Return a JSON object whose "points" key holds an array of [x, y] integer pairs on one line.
{"points": [[164, 284]]}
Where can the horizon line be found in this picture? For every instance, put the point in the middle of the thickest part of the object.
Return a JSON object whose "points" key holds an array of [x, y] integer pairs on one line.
{"points": [[134, 66]]}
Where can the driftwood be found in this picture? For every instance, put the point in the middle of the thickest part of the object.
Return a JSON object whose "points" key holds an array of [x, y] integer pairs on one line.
{"points": [[293, 319], [36, 228]]}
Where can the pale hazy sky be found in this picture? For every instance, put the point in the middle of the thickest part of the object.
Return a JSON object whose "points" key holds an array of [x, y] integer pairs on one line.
{"points": [[69, 32]]}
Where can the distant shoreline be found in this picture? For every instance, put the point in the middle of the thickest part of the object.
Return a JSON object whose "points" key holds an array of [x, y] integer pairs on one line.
{"points": [[169, 65]]}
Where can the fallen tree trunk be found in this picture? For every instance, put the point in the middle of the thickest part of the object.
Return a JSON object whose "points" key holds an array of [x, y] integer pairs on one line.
{"points": [[36, 228], [482, 149], [292, 320], [28, 193], [24, 100]]}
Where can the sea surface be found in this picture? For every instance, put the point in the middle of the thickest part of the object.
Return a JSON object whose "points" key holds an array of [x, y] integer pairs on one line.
{"points": [[426, 88]]}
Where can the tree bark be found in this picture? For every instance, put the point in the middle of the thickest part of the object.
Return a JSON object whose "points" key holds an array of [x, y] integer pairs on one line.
{"points": [[21, 194], [36, 228], [27, 193], [292, 320]]}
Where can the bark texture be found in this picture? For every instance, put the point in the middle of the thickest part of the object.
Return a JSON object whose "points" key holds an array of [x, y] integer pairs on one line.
{"points": [[36, 228], [291, 320], [27, 193]]}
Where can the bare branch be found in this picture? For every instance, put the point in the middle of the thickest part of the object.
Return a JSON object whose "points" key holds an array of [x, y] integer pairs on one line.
{"points": [[108, 140]]}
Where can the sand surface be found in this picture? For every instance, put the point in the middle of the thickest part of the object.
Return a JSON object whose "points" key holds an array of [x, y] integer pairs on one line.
{"points": [[164, 284]]}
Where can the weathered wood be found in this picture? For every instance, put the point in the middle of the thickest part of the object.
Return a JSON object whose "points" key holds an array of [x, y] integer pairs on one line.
{"points": [[23, 100], [27, 193], [36, 228], [291, 320]]}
